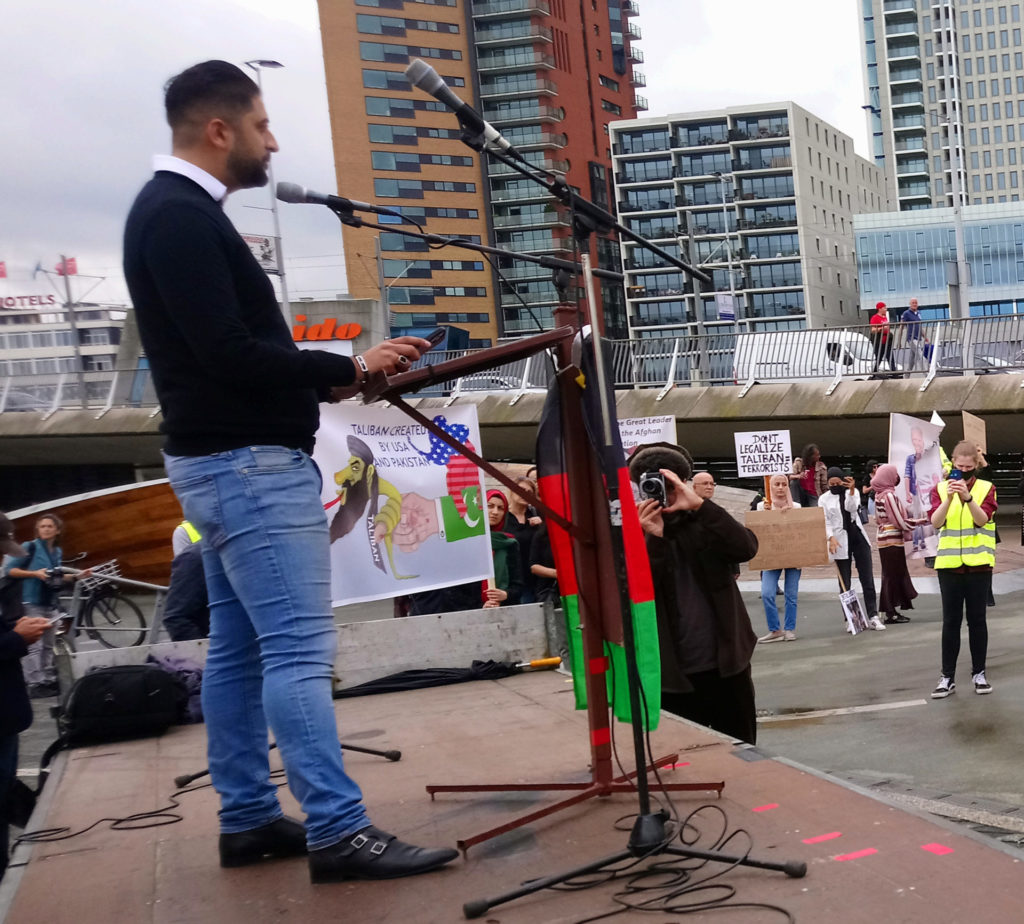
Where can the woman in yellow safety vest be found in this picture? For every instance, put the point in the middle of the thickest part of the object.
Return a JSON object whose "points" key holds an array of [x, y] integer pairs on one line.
{"points": [[962, 508]]}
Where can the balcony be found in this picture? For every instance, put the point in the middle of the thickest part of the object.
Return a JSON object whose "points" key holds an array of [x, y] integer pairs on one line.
{"points": [[637, 79], [523, 114], [909, 123], [545, 220], [902, 51], [914, 99], [630, 8], [768, 163], [516, 194], [746, 224], [515, 62], [640, 102], [633, 31], [538, 140], [635, 55], [648, 205], [500, 9], [496, 168], [911, 144], [896, 8], [512, 34], [528, 87], [653, 176], [912, 168], [901, 30]]}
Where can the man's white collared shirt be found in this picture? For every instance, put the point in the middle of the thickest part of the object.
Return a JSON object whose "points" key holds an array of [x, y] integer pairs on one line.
{"points": [[172, 164]]}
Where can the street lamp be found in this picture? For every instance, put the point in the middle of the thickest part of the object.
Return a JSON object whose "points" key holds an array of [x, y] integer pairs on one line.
{"points": [[728, 248], [257, 65]]}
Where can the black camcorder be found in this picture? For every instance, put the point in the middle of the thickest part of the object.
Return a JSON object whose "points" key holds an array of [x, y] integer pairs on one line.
{"points": [[652, 485]]}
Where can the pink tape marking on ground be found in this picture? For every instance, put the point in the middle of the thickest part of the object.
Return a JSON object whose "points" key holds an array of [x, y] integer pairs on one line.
{"points": [[823, 837], [938, 849], [765, 808], [856, 855], [684, 763]]}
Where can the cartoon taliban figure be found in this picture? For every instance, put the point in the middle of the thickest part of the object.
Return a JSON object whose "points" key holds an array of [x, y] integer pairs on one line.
{"points": [[361, 491]]}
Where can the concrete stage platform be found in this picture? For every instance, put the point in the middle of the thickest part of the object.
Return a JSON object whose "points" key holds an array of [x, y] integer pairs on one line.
{"points": [[868, 861]]}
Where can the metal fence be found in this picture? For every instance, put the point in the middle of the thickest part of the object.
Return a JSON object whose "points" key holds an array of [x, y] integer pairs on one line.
{"points": [[975, 346]]}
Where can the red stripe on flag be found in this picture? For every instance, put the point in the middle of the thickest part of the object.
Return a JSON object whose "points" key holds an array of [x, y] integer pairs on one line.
{"points": [[638, 568], [600, 736], [598, 665], [554, 491]]}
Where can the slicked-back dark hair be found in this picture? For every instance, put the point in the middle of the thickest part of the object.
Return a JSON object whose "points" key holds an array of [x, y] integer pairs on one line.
{"points": [[208, 90]]}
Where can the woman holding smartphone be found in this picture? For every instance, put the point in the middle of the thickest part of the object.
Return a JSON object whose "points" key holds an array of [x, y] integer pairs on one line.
{"points": [[962, 509]]}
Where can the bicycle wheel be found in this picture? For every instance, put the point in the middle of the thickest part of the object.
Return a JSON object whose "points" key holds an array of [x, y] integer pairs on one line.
{"points": [[114, 621]]}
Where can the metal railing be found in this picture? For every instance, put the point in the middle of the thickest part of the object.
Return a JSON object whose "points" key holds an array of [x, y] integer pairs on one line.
{"points": [[929, 349]]}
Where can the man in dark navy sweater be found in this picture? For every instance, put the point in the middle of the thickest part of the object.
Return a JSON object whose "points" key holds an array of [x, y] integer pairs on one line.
{"points": [[239, 403]]}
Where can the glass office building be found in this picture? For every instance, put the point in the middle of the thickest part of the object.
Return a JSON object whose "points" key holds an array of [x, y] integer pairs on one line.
{"points": [[761, 197], [902, 256]]}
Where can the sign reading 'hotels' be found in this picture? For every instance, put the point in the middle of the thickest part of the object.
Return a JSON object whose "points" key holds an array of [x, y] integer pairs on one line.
{"points": [[763, 452]]}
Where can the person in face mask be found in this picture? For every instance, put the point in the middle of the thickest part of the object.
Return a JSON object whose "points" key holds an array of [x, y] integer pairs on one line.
{"points": [[961, 510], [847, 540]]}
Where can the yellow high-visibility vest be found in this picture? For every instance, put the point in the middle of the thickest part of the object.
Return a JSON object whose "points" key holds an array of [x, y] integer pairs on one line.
{"points": [[960, 541], [193, 533]]}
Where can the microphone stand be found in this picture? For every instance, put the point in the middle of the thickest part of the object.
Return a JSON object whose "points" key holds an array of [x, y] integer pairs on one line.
{"points": [[648, 836]]}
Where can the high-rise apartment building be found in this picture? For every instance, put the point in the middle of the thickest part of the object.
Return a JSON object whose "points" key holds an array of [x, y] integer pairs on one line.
{"points": [[549, 75], [945, 90], [766, 194]]}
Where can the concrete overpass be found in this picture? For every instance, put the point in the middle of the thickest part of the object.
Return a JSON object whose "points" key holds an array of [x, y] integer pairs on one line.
{"points": [[853, 420]]}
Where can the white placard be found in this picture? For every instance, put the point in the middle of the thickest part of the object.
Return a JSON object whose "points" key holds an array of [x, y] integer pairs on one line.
{"points": [[406, 513], [763, 452], [636, 431], [264, 250]]}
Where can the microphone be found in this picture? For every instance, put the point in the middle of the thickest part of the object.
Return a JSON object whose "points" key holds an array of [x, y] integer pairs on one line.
{"points": [[422, 75], [292, 192]]}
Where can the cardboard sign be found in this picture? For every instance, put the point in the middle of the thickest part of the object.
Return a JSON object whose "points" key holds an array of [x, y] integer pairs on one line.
{"points": [[793, 538], [974, 430], [765, 452]]}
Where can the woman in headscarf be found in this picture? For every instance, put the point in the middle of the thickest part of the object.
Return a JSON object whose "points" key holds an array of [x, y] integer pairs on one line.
{"points": [[892, 518], [779, 499], [507, 586]]}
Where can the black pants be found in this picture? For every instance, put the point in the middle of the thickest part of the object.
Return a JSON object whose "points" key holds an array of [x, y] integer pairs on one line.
{"points": [[8, 772], [960, 591], [860, 552], [725, 704], [883, 352]]}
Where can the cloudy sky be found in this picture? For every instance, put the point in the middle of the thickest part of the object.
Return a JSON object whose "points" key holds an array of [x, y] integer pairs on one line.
{"points": [[81, 104]]}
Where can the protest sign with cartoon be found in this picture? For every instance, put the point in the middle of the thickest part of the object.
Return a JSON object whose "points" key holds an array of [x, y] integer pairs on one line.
{"points": [[405, 511]]}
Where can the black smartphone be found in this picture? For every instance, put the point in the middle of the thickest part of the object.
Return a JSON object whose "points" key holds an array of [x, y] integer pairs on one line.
{"points": [[436, 336]]}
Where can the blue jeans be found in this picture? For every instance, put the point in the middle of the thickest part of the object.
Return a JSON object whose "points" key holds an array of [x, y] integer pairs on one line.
{"points": [[769, 581], [272, 637]]}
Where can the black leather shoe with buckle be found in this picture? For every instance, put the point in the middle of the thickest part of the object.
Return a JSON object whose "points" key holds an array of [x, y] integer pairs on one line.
{"points": [[374, 854], [284, 837]]}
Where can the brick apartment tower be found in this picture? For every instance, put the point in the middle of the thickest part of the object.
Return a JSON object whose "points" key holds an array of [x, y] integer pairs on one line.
{"points": [[549, 74]]}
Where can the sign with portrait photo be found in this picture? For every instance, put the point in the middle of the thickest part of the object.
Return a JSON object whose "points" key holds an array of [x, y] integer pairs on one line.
{"points": [[914, 450], [406, 513]]}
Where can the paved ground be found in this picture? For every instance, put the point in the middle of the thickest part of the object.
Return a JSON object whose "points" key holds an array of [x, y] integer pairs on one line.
{"points": [[959, 756]]}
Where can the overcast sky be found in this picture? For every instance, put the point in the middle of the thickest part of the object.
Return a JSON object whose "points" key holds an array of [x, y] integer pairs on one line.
{"points": [[81, 103]]}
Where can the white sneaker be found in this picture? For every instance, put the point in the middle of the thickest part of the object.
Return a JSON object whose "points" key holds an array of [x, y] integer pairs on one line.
{"points": [[877, 624], [777, 636], [944, 688], [981, 685]]}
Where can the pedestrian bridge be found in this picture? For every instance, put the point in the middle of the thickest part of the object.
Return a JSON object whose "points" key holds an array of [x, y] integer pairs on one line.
{"points": [[846, 417]]}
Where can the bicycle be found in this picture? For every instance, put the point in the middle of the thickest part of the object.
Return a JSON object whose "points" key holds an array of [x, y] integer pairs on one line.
{"points": [[97, 608]]}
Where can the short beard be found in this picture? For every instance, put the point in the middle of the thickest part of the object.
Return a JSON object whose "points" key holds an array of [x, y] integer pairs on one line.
{"points": [[246, 173]]}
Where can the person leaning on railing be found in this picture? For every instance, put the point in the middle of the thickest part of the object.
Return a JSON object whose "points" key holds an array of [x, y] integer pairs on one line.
{"points": [[962, 509]]}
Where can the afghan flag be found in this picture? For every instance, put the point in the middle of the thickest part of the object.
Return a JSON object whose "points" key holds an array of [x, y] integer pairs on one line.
{"points": [[554, 490]]}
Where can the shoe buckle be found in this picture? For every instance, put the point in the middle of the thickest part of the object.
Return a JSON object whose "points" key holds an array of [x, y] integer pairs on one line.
{"points": [[359, 840], [378, 848]]}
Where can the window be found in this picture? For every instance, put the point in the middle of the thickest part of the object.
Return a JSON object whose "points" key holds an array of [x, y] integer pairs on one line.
{"points": [[609, 106], [401, 54], [608, 82]]}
